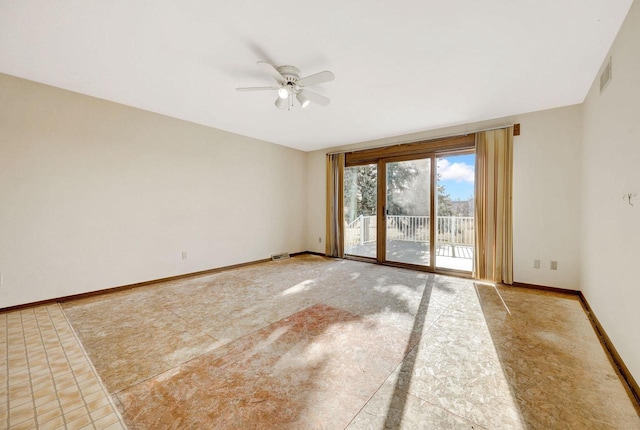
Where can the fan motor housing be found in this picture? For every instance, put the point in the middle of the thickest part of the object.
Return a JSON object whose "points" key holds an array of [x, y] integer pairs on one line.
{"points": [[290, 73]]}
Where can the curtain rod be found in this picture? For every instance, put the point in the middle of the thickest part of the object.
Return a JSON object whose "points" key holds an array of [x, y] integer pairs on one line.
{"points": [[465, 133]]}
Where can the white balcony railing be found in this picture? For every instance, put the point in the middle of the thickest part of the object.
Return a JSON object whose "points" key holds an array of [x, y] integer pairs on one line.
{"points": [[360, 231], [450, 230]]}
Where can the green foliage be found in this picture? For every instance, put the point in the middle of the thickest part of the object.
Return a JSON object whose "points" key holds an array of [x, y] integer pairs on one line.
{"points": [[445, 206], [404, 187], [360, 194]]}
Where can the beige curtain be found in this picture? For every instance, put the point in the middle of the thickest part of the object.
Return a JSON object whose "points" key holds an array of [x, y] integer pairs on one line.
{"points": [[493, 226], [335, 196]]}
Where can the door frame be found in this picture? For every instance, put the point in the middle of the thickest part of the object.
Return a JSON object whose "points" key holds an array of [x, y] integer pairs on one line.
{"points": [[381, 218], [444, 269], [431, 149]]}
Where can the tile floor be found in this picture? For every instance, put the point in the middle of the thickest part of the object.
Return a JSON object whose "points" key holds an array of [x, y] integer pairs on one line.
{"points": [[47, 380], [319, 343]]}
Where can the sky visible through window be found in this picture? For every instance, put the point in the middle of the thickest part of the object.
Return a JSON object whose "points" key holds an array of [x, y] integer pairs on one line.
{"points": [[457, 174]]}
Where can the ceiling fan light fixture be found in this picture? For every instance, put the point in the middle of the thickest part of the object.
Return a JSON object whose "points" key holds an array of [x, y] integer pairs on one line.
{"points": [[302, 99], [289, 84], [281, 103], [283, 92]]}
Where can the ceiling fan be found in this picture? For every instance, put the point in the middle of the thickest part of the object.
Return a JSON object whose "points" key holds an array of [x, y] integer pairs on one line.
{"points": [[291, 85]]}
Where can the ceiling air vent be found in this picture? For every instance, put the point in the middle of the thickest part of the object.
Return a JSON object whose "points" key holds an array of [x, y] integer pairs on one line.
{"points": [[605, 76]]}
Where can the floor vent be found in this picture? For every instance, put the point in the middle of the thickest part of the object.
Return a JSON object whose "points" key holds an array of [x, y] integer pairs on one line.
{"points": [[605, 76], [281, 256]]}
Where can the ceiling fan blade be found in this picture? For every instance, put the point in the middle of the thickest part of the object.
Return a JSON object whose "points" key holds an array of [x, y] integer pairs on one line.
{"points": [[272, 71], [318, 78], [256, 88], [316, 98]]}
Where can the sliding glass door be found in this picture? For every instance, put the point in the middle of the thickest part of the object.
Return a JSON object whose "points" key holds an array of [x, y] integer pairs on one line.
{"points": [[407, 210], [412, 211], [455, 212], [360, 210]]}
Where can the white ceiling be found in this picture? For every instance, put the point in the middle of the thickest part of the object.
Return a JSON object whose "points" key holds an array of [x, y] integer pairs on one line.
{"points": [[400, 67]]}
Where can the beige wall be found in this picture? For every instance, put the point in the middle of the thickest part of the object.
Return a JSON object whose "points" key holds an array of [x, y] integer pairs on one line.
{"points": [[546, 195], [611, 227], [95, 195]]}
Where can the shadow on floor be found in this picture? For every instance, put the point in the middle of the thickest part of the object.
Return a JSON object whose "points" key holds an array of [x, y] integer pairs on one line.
{"points": [[552, 359], [399, 398]]}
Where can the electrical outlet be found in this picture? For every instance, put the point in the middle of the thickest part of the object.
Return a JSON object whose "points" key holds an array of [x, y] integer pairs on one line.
{"points": [[554, 265], [320, 240], [0, 279], [184, 255], [536, 264]]}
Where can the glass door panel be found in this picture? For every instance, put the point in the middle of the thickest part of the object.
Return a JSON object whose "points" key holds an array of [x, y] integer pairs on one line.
{"points": [[408, 206], [455, 212], [360, 210]]}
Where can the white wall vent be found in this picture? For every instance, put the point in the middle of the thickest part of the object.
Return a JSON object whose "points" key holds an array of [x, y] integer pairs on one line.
{"points": [[281, 256], [605, 76]]}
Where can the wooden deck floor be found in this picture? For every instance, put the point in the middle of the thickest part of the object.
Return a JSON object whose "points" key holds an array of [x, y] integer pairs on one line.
{"points": [[447, 256]]}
